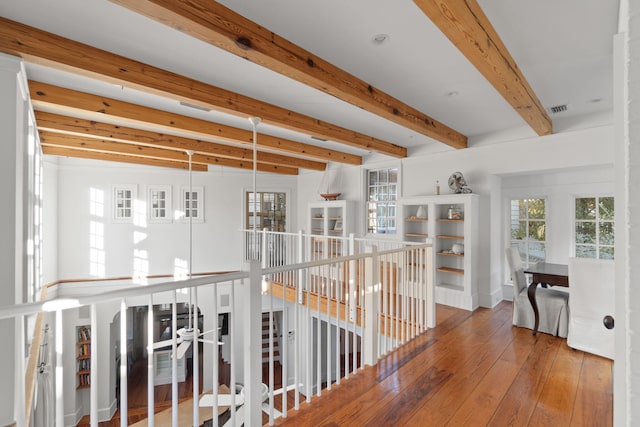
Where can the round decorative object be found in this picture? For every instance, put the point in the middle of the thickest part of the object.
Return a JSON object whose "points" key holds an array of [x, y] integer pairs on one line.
{"points": [[457, 248], [457, 183]]}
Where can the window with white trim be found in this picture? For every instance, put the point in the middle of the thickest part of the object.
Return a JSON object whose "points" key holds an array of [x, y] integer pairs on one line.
{"points": [[193, 204], [123, 198], [382, 190], [528, 229], [594, 231], [159, 203]]}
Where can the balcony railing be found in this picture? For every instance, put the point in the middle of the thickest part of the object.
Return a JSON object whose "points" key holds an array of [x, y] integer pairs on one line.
{"points": [[338, 311]]}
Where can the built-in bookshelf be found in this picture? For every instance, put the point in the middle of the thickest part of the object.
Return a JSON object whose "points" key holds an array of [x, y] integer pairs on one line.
{"points": [[451, 223], [330, 221], [83, 356]]}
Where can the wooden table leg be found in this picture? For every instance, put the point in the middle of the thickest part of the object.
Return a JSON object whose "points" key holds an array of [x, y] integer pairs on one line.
{"points": [[531, 292]]}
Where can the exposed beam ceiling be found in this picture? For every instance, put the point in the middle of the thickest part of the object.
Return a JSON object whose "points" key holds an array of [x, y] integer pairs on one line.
{"points": [[468, 28], [94, 145], [92, 129], [110, 157], [70, 101], [41, 47], [213, 23]]}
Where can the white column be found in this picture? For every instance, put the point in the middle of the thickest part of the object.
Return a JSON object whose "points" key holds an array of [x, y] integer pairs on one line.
{"points": [[630, 282], [252, 345], [371, 302], [12, 139]]}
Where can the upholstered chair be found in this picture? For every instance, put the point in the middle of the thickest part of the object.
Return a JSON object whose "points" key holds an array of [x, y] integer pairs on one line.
{"points": [[553, 304]]}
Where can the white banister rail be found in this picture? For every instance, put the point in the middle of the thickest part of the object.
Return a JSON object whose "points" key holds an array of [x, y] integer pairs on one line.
{"points": [[329, 316]]}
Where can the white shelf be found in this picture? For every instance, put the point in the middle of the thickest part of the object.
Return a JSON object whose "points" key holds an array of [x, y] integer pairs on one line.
{"points": [[455, 274]]}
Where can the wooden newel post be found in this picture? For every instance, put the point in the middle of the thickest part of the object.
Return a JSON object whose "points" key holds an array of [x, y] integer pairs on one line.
{"points": [[371, 303]]}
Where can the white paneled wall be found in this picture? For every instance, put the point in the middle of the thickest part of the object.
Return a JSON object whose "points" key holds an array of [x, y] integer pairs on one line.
{"points": [[580, 158], [217, 240]]}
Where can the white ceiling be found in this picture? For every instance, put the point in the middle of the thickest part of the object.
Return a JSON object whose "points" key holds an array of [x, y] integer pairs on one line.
{"points": [[564, 49]]}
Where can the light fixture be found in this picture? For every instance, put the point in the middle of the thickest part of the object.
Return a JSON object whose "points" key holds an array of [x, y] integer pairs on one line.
{"points": [[254, 123], [380, 39]]}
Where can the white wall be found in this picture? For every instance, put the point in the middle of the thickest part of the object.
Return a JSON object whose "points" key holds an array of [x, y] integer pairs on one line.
{"points": [[585, 152], [216, 241], [50, 247]]}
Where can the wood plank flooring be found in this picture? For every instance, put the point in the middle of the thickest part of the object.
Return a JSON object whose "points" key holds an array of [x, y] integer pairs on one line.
{"points": [[474, 369]]}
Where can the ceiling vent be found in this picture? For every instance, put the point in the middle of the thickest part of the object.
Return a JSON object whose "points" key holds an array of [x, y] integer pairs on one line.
{"points": [[196, 107], [558, 109]]}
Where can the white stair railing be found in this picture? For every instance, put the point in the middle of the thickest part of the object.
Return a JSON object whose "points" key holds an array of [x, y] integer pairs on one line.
{"points": [[338, 314]]}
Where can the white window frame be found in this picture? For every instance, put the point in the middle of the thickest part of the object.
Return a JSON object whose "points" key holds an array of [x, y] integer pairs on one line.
{"points": [[597, 221], [168, 208], [525, 261], [117, 217], [183, 203], [366, 199]]}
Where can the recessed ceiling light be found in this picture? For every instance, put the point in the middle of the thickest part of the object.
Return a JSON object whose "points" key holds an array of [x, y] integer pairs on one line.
{"points": [[379, 39]]}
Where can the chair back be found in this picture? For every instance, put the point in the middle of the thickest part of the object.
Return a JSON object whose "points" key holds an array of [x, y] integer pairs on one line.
{"points": [[517, 270], [592, 287]]}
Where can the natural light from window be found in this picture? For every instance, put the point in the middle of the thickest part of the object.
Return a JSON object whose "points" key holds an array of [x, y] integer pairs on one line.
{"points": [[528, 229], [140, 266], [96, 233], [382, 189], [594, 227]]}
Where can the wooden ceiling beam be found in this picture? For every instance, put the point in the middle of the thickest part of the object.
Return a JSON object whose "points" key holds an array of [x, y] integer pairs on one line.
{"points": [[469, 29], [41, 47], [221, 27], [82, 143], [99, 107], [88, 128], [111, 157]]}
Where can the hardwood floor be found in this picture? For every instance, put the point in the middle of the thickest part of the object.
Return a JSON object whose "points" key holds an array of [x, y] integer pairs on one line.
{"points": [[474, 369]]}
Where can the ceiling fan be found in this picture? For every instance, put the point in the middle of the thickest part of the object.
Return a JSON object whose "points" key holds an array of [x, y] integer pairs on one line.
{"points": [[185, 337]]}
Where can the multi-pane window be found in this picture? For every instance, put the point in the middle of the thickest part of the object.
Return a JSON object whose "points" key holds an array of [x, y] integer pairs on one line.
{"points": [[594, 236], [159, 203], [269, 211], [382, 187], [123, 197], [192, 203], [528, 229]]}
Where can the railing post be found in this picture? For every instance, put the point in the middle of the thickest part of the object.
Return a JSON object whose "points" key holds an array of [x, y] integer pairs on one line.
{"points": [[352, 279], [253, 346], [371, 303], [430, 263], [263, 249], [301, 274]]}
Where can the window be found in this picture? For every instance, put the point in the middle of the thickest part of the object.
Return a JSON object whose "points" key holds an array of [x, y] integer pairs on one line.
{"points": [[123, 197], [594, 227], [382, 187], [271, 210], [528, 229], [193, 204], [159, 202]]}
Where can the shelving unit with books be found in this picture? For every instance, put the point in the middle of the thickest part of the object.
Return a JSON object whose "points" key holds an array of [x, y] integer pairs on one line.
{"points": [[83, 356]]}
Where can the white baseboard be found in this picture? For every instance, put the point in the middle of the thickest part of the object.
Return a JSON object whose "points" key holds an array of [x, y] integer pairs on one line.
{"points": [[491, 300]]}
